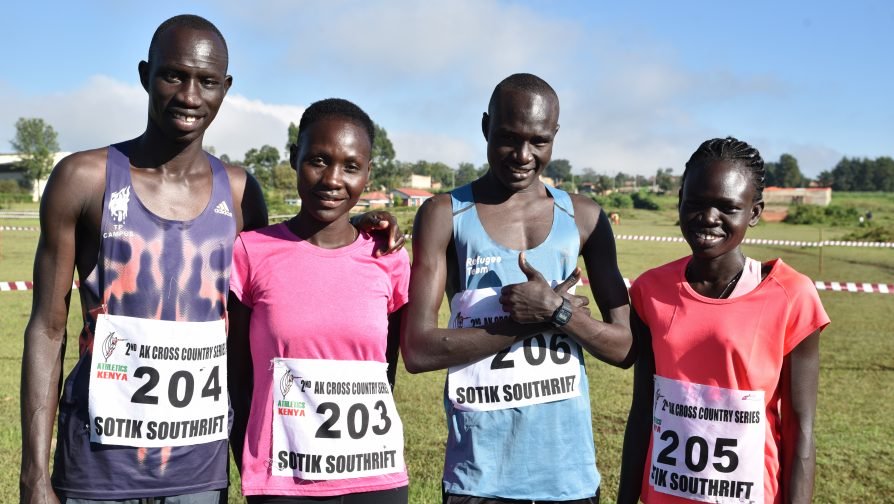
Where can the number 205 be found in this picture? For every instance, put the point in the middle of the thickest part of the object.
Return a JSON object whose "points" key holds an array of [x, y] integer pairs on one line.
{"points": [[697, 460]]}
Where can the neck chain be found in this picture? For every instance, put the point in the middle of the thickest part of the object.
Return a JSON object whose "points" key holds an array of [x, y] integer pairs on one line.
{"points": [[730, 286]]}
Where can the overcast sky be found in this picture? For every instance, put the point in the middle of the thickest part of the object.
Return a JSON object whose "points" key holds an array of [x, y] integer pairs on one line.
{"points": [[641, 84]]}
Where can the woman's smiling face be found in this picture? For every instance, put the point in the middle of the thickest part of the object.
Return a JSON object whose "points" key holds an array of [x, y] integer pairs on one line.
{"points": [[717, 206]]}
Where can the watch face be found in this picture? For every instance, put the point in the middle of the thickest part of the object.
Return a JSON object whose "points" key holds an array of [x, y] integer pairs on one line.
{"points": [[562, 314]]}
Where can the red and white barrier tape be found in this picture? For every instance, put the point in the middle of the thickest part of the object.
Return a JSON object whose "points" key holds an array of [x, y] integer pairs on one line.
{"points": [[766, 241], [874, 288], [25, 285], [877, 288], [672, 239]]}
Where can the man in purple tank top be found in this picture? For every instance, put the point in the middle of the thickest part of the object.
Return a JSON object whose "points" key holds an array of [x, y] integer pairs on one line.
{"points": [[149, 225]]}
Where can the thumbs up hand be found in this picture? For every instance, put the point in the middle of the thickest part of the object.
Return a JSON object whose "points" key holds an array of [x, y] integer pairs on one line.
{"points": [[534, 300]]}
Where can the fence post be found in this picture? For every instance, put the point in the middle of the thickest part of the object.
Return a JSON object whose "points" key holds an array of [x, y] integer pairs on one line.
{"points": [[821, 252]]}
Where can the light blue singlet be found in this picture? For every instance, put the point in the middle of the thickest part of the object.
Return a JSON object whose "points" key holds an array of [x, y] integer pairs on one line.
{"points": [[538, 452]]}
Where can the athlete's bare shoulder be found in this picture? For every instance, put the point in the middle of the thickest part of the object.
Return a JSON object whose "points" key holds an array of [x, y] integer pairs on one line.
{"points": [[248, 198], [237, 176], [79, 178], [432, 227], [435, 211], [83, 165]]}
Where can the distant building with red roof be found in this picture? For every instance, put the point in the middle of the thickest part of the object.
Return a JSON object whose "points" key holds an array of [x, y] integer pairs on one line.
{"points": [[410, 196], [778, 199], [786, 196], [376, 199]]}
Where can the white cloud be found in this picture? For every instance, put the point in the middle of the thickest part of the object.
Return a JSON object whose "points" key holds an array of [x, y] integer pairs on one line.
{"points": [[424, 71], [812, 158], [105, 111], [413, 146], [243, 123]]}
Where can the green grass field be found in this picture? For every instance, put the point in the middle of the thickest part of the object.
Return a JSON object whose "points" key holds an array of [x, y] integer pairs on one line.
{"points": [[855, 440]]}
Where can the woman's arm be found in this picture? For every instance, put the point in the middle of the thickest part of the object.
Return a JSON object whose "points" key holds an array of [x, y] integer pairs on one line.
{"points": [[803, 366], [639, 420], [240, 380], [393, 348]]}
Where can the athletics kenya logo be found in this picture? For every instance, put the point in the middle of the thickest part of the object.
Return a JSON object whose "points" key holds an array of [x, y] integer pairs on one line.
{"points": [[285, 383], [109, 344], [290, 408]]}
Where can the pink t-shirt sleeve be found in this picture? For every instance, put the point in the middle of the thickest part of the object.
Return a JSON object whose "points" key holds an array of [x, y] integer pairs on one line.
{"points": [[240, 272], [806, 314], [400, 280]]}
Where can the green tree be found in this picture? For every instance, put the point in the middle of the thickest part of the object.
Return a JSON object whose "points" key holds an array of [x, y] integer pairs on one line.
{"points": [[466, 173], [665, 180], [438, 171], [559, 170], [284, 177], [620, 179], [784, 173], [825, 179], [386, 172], [789, 173], [260, 163], [293, 136], [36, 142]]}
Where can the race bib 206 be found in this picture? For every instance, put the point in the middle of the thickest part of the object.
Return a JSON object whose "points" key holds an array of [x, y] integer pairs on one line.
{"points": [[157, 383], [708, 442], [334, 420], [541, 369]]}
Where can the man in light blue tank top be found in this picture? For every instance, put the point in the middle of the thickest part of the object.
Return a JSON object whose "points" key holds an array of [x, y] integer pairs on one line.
{"points": [[505, 249]]}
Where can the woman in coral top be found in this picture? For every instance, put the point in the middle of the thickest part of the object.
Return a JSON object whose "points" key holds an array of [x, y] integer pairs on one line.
{"points": [[725, 383], [314, 334]]}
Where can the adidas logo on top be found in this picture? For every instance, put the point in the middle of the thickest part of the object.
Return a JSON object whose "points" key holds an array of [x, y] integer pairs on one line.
{"points": [[223, 209]]}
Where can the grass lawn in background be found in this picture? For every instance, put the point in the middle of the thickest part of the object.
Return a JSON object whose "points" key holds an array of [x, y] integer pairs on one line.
{"points": [[854, 436]]}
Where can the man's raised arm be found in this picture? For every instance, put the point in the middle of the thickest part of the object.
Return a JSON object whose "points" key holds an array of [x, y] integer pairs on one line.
{"points": [[424, 346]]}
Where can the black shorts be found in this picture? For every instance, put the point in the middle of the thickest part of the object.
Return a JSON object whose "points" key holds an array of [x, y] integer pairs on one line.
{"points": [[210, 497], [468, 499], [393, 496]]}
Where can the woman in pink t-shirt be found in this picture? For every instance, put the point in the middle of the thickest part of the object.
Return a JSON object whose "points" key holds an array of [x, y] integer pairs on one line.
{"points": [[725, 384], [314, 334]]}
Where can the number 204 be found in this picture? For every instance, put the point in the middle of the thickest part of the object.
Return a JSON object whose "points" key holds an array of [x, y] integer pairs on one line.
{"points": [[142, 395], [695, 453]]}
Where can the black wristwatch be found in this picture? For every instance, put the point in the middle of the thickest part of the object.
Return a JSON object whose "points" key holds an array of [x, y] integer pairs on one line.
{"points": [[562, 314]]}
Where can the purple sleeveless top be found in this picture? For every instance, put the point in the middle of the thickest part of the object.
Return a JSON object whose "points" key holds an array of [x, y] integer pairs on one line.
{"points": [[153, 268]]}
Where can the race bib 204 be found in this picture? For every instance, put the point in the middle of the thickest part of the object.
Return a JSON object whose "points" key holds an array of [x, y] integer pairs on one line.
{"points": [[541, 369], [334, 420], [708, 442], [157, 383]]}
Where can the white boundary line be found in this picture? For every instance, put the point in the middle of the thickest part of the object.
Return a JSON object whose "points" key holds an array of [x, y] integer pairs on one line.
{"points": [[765, 241]]}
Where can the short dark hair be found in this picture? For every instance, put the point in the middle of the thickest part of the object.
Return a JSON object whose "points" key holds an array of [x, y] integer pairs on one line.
{"points": [[337, 107], [185, 21], [733, 150], [529, 83]]}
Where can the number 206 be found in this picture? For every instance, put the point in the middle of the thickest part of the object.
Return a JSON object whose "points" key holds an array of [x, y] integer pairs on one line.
{"points": [[535, 354]]}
